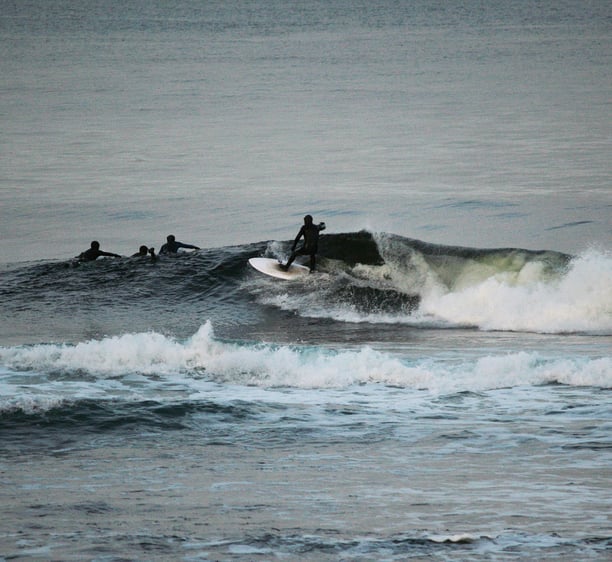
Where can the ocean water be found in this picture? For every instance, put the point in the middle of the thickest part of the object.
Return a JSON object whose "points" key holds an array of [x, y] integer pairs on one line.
{"points": [[439, 389]]}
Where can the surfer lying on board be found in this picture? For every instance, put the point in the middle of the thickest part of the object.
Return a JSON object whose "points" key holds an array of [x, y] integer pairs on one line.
{"points": [[143, 251], [172, 246], [94, 252], [310, 232]]}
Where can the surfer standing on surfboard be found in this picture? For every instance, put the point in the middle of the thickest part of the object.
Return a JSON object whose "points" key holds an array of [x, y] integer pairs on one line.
{"points": [[310, 232]]}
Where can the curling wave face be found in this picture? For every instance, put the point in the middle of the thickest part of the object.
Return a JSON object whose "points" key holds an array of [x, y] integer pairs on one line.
{"points": [[384, 278]]}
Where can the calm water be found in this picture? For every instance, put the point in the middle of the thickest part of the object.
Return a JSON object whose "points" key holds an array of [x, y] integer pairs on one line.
{"points": [[439, 390]]}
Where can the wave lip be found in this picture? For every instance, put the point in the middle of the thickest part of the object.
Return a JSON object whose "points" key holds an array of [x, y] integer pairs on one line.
{"points": [[577, 299]]}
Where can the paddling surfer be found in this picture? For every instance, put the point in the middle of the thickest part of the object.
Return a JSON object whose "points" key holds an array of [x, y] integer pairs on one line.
{"points": [[172, 245], [94, 252], [143, 252]]}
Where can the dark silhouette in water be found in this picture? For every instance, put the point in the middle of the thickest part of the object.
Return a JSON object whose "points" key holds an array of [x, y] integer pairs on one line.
{"points": [[143, 252], [310, 232], [172, 245], [94, 252]]}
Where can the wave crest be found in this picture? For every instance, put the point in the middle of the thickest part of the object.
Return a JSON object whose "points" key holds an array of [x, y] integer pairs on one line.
{"points": [[412, 282], [43, 376]]}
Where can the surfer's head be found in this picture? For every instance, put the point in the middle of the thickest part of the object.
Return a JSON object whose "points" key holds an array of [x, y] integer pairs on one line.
{"points": [[95, 245], [308, 219], [170, 238]]}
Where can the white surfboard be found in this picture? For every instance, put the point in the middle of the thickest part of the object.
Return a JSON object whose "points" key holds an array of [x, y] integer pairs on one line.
{"points": [[271, 267]]}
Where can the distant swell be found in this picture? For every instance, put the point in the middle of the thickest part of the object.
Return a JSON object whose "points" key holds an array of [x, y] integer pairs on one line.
{"points": [[92, 416], [69, 423]]}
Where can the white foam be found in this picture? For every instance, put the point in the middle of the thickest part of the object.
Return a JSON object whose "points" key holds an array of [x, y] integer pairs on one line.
{"points": [[578, 301], [144, 365]]}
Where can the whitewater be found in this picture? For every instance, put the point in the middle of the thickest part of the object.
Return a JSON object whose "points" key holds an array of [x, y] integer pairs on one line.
{"points": [[122, 360], [510, 289]]}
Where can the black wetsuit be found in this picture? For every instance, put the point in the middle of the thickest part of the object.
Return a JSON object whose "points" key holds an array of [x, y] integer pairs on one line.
{"points": [[172, 247], [310, 232], [94, 253], [149, 252]]}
